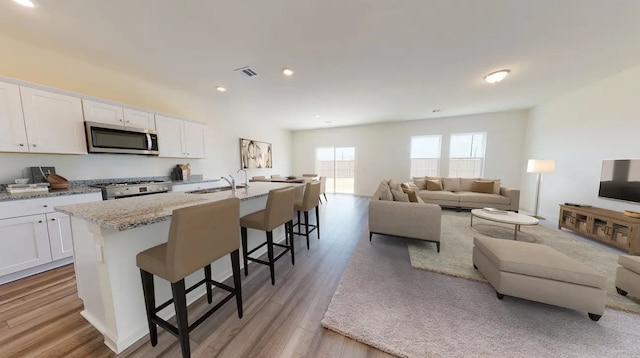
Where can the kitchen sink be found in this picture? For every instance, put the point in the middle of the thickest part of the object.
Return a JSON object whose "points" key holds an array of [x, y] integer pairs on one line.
{"points": [[214, 190]]}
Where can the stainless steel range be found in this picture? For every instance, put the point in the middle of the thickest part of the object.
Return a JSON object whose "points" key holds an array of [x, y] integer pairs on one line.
{"points": [[129, 189]]}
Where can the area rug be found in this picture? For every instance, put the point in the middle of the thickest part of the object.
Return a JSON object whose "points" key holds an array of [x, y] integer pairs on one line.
{"points": [[383, 302], [457, 245]]}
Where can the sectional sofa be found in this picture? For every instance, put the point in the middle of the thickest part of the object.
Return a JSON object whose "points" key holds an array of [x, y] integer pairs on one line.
{"points": [[468, 193]]}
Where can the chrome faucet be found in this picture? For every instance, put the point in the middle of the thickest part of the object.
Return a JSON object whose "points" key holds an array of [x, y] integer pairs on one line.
{"points": [[246, 178], [231, 182]]}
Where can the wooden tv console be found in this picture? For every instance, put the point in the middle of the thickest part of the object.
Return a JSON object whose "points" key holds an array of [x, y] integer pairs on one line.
{"points": [[608, 226]]}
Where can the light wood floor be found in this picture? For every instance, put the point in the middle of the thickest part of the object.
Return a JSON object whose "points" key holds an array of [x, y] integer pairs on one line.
{"points": [[39, 315]]}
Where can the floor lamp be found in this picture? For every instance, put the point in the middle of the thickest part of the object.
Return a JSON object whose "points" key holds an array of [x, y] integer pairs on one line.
{"points": [[540, 166]]}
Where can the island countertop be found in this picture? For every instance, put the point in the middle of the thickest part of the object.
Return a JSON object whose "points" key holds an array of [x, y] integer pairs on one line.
{"points": [[129, 213]]}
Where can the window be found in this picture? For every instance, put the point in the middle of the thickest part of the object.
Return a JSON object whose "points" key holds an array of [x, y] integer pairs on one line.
{"points": [[425, 155], [466, 155]]}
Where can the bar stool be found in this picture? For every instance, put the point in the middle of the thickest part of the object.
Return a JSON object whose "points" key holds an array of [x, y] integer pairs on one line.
{"points": [[279, 210], [198, 235], [310, 200], [323, 184]]}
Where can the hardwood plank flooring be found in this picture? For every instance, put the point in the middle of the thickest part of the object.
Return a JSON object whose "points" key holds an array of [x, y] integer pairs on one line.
{"points": [[39, 315]]}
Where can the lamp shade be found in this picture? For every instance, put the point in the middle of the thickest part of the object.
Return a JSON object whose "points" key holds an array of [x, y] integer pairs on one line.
{"points": [[541, 165]]}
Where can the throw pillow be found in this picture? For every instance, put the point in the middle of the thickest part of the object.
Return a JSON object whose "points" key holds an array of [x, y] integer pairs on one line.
{"points": [[394, 184], [421, 182], [451, 184], [399, 195], [496, 186], [482, 186], [386, 195], [383, 192], [413, 197], [434, 185]]}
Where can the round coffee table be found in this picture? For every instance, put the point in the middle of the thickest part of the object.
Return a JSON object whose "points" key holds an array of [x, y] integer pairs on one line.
{"points": [[510, 217]]}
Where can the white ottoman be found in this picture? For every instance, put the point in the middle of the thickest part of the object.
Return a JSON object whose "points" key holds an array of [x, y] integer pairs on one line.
{"points": [[539, 273], [628, 275]]}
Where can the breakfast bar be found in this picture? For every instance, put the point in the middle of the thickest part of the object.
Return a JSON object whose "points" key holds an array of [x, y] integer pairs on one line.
{"points": [[107, 235]]}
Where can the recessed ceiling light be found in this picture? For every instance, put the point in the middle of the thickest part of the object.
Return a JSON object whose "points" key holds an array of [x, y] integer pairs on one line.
{"points": [[26, 3], [287, 71], [317, 116], [327, 122], [221, 89], [495, 77]]}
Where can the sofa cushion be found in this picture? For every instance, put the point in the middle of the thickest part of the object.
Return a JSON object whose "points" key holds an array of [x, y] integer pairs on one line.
{"points": [[451, 184], [471, 197], [439, 195], [496, 186], [413, 196], [434, 184], [632, 263], [383, 192], [482, 186], [537, 260], [438, 179], [394, 184], [399, 195], [420, 182], [466, 184]]}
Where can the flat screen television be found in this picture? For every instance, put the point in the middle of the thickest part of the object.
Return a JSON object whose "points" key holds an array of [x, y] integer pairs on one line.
{"points": [[620, 179]]}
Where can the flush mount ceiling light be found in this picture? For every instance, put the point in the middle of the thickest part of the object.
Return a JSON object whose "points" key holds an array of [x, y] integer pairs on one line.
{"points": [[287, 71], [495, 77], [26, 3], [221, 89]]}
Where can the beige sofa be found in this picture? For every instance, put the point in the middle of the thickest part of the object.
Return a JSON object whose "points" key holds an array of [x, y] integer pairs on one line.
{"points": [[457, 193], [415, 220]]}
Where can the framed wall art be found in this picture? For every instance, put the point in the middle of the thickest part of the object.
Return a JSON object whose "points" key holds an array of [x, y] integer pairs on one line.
{"points": [[255, 154]]}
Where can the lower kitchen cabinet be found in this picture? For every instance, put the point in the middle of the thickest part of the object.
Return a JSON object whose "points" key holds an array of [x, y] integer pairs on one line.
{"points": [[34, 237], [24, 242]]}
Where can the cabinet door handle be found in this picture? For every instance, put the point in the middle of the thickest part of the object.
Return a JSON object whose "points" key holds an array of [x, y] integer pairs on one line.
{"points": [[45, 205], [21, 144], [35, 145], [39, 221], [128, 121], [54, 219]]}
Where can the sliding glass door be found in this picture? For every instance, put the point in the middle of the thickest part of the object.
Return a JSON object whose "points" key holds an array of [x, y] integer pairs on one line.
{"points": [[338, 165]]}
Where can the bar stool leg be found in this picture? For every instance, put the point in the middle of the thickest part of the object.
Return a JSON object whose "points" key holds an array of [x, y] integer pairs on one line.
{"points": [[270, 255], [290, 229], [207, 276], [180, 302], [243, 232], [306, 226], [235, 266], [318, 221], [150, 304]]}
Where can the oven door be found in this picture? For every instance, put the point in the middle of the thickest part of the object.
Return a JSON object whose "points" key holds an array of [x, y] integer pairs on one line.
{"points": [[107, 138]]}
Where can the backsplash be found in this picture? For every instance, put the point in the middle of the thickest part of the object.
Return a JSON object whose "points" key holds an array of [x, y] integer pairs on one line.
{"points": [[195, 178]]}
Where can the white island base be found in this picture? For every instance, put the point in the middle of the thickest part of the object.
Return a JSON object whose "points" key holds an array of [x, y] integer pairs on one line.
{"points": [[109, 281]]}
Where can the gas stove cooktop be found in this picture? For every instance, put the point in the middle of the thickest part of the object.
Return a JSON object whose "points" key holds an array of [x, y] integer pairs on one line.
{"points": [[117, 190]]}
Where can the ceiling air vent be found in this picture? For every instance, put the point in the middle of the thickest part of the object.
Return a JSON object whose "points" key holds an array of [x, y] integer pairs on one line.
{"points": [[247, 71]]}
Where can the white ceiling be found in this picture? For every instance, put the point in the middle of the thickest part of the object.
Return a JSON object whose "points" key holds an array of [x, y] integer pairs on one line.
{"points": [[355, 61]]}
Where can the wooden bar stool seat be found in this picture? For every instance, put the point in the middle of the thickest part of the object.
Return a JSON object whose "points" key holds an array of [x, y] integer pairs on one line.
{"points": [[310, 200], [198, 236], [279, 211]]}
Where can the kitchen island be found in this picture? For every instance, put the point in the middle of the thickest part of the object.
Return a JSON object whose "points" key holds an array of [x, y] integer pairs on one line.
{"points": [[107, 236]]}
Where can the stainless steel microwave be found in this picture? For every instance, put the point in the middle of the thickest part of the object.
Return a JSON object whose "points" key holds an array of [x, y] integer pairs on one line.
{"points": [[108, 138]]}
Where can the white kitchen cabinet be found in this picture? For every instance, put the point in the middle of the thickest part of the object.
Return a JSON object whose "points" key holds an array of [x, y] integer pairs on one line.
{"points": [[54, 122], [179, 138], [13, 135], [34, 237], [24, 242], [60, 238], [117, 115]]}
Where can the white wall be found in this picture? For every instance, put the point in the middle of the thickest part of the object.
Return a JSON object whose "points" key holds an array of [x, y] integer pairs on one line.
{"points": [[382, 150], [579, 130], [25, 62]]}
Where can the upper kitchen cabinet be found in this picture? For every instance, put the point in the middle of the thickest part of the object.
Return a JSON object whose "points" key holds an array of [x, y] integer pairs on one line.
{"points": [[112, 114], [180, 139], [54, 122], [13, 136]]}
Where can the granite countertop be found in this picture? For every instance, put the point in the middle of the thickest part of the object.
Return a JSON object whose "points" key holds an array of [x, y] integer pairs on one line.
{"points": [[5, 196], [130, 213], [193, 181]]}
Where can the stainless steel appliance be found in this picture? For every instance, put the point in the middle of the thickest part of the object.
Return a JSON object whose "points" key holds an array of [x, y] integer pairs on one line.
{"points": [[108, 138], [129, 189]]}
